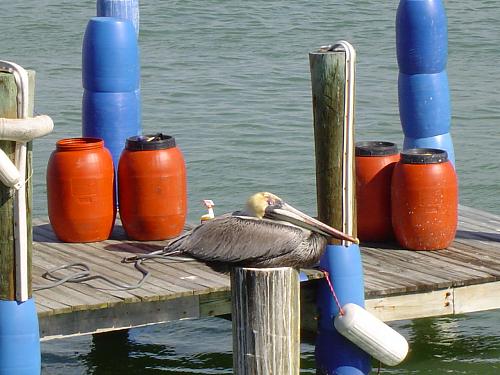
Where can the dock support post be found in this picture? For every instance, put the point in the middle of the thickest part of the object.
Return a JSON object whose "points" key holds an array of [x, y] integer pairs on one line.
{"points": [[332, 78], [19, 336], [266, 321]]}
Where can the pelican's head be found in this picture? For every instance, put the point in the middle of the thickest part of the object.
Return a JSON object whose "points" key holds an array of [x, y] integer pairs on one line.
{"points": [[258, 203], [269, 205]]}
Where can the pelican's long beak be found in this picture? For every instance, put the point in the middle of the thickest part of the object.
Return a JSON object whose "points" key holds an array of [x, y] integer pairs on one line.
{"points": [[285, 212]]}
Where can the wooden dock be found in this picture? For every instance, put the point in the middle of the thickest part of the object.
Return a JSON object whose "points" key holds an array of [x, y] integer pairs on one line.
{"points": [[399, 284]]}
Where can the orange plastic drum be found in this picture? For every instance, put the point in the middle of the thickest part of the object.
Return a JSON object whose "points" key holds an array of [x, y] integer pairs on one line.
{"points": [[80, 188], [424, 200], [152, 188], [375, 162]]}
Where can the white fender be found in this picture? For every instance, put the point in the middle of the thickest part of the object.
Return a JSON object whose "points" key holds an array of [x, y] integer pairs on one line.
{"points": [[9, 175], [371, 334], [25, 129]]}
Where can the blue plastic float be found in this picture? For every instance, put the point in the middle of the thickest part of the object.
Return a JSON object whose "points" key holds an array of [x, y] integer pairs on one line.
{"points": [[422, 36], [19, 338], [424, 104], [112, 116], [111, 76], [422, 52], [126, 10], [334, 353], [110, 58]]}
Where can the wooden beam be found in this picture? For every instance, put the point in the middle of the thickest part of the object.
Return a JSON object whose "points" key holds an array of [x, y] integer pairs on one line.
{"points": [[412, 306], [450, 301], [215, 304], [118, 317], [478, 297]]}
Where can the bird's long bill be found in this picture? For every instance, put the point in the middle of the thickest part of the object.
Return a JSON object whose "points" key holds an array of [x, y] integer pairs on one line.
{"points": [[294, 216]]}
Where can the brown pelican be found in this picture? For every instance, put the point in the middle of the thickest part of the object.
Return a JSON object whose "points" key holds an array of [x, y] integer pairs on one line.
{"points": [[269, 233]]}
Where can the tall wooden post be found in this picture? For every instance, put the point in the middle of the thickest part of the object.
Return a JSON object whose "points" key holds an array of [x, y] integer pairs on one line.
{"points": [[332, 138], [19, 330], [266, 321], [8, 109], [332, 78]]}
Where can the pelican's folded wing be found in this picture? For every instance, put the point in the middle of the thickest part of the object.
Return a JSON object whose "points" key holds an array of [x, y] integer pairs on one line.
{"points": [[240, 240]]}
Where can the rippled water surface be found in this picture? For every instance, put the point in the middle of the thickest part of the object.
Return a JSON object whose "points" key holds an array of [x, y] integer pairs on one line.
{"points": [[230, 80]]}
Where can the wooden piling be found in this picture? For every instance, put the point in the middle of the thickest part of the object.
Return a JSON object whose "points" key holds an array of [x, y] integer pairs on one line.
{"points": [[266, 321], [332, 77], [8, 109], [328, 79]]}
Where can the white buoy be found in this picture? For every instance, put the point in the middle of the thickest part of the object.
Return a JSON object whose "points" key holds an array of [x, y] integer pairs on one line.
{"points": [[371, 334], [9, 175]]}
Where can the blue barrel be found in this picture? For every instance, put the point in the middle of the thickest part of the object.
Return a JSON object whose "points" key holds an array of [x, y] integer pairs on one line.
{"points": [[110, 56], [442, 142], [112, 116], [19, 338], [125, 9], [334, 353], [424, 104], [421, 36]]}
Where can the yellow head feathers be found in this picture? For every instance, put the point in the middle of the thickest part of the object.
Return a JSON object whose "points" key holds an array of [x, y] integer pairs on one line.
{"points": [[258, 203]]}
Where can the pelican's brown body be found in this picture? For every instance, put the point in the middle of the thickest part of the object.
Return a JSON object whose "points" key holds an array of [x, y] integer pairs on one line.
{"points": [[270, 233]]}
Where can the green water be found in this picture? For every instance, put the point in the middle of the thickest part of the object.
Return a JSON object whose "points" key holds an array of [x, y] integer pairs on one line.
{"points": [[230, 80]]}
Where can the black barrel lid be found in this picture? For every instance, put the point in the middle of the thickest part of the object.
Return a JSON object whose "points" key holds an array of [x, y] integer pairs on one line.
{"points": [[150, 142], [424, 156], [375, 148]]}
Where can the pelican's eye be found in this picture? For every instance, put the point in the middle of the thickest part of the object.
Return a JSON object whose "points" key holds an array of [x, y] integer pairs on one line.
{"points": [[274, 201]]}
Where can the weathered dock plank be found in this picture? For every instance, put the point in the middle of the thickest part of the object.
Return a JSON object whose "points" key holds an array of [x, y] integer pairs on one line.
{"points": [[399, 284], [412, 306]]}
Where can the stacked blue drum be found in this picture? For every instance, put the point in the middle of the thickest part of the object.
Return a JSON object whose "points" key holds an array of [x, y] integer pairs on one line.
{"points": [[111, 77], [422, 52]]}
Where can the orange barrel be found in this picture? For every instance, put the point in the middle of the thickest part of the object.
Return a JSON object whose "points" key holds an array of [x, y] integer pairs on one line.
{"points": [[80, 189], [152, 188], [424, 199], [375, 162]]}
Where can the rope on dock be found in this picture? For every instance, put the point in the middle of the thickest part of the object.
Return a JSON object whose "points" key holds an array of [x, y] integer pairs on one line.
{"points": [[82, 272]]}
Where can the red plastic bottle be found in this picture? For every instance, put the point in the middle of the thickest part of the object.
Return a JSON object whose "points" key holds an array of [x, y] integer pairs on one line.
{"points": [[152, 188], [80, 190], [424, 200], [375, 162]]}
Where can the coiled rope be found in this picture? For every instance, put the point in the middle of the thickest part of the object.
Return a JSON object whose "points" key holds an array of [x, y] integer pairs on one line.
{"points": [[81, 272]]}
